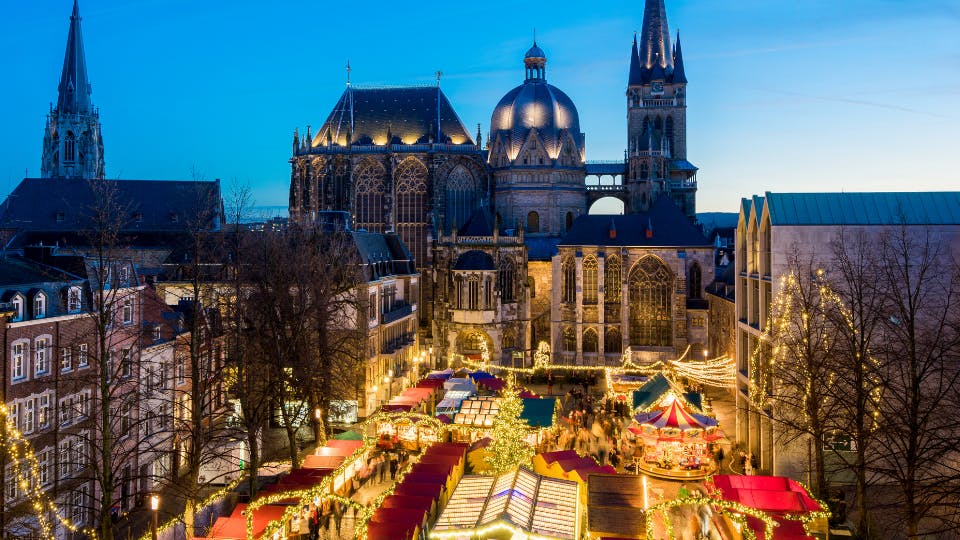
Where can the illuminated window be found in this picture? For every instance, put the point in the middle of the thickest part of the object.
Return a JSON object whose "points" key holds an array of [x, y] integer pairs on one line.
{"points": [[19, 361], [127, 310], [73, 300], [41, 356], [569, 340], [650, 315], [39, 306], [590, 276], [17, 302], [82, 359], [410, 207], [66, 359], [473, 341]]}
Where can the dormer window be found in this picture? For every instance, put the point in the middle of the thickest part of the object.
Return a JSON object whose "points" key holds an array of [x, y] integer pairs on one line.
{"points": [[18, 303], [174, 217], [60, 217], [156, 333], [138, 217], [73, 300], [39, 306]]}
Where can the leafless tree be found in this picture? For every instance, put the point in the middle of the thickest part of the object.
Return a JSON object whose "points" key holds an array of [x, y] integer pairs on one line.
{"points": [[919, 347]]}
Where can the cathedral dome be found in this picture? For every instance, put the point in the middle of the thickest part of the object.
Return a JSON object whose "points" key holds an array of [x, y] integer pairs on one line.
{"points": [[536, 105]]}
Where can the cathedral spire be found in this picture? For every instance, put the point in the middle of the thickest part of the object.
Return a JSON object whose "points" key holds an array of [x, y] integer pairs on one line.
{"points": [[635, 74], [74, 87], [678, 75], [655, 36]]}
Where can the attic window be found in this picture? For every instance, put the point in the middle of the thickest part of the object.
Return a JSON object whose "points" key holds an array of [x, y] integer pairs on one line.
{"points": [[60, 217], [138, 217], [174, 217]]}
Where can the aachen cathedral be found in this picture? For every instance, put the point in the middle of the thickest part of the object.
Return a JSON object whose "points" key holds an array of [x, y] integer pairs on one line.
{"points": [[499, 229]]}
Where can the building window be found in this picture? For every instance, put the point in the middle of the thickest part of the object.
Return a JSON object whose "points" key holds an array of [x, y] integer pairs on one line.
{"points": [[70, 147], [39, 306], [82, 358], [612, 340], [568, 276], [156, 333], [66, 359], [43, 411], [590, 341], [410, 207], [473, 341], [41, 356], [507, 277], [590, 277], [473, 292], [569, 221], [650, 314], [569, 340], [73, 300], [461, 197], [29, 417], [126, 365], [126, 419], [693, 282], [43, 466], [181, 369], [79, 506], [11, 483], [19, 361], [83, 402], [368, 179], [17, 302], [372, 308], [127, 311], [533, 222]]}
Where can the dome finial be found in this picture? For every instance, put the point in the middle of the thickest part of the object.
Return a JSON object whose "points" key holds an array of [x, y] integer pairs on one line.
{"points": [[535, 61]]}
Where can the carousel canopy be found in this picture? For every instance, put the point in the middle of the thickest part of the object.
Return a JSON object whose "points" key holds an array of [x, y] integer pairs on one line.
{"points": [[675, 417], [656, 388]]}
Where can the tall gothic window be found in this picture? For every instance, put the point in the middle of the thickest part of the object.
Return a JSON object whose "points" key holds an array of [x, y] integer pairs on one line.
{"points": [[644, 170], [473, 292], [650, 317], [590, 275], [611, 289], [693, 282], [612, 341], [70, 147], [590, 343], [568, 273], [569, 339], [411, 204], [533, 222], [370, 188], [669, 131], [461, 197], [507, 280]]}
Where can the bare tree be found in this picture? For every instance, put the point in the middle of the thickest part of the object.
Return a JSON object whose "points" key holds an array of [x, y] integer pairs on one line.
{"points": [[857, 388], [920, 350], [802, 339]]}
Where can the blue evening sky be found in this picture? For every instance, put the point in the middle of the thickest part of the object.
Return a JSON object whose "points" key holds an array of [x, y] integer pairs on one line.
{"points": [[784, 95]]}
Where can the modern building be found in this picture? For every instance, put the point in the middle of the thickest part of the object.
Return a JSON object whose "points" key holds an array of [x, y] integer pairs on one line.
{"points": [[770, 230]]}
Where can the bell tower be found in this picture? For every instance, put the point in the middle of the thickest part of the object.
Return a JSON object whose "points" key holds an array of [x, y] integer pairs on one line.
{"points": [[657, 118], [72, 146]]}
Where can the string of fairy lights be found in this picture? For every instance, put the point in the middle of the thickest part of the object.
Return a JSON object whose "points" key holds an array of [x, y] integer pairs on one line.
{"points": [[27, 477]]}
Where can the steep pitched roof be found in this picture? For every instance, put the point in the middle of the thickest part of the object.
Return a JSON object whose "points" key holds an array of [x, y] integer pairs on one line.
{"points": [[668, 226], [408, 115], [479, 224], [679, 76], [865, 208], [74, 89], [474, 260], [66, 205], [655, 36], [635, 75]]}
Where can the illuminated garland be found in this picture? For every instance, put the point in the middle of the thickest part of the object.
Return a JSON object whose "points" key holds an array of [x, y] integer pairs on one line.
{"points": [[181, 518], [541, 358], [507, 448], [27, 471], [723, 505], [366, 514]]}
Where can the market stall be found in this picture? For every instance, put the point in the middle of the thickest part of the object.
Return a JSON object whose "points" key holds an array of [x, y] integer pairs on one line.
{"points": [[676, 443], [797, 513]]}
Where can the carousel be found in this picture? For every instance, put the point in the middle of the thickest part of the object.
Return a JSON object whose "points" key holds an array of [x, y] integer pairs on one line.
{"points": [[676, 443]]}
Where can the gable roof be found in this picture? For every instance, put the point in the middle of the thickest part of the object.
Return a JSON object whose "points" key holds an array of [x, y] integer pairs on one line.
{"points": [[60, 207], [670, 227], [864, 208], [479, 224]]}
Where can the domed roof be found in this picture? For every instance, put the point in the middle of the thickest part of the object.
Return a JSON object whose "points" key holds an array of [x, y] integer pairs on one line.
{"points": [[536, 105], [535, 52]]}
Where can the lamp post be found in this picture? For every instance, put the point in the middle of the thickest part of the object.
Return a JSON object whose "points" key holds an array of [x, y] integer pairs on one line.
{"points": [[155, 508], [705, 353]]}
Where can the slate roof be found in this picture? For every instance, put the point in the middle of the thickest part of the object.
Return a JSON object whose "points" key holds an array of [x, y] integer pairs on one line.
{"points": [[62, 207], [864, 208], [474, 260], [541, 248], [21, 275], [385, 248], [669, 225], [479, 224], [411, 114]]}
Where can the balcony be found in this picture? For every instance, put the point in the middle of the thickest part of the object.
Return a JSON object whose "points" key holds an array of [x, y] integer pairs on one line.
{"points": [[398, 312]]}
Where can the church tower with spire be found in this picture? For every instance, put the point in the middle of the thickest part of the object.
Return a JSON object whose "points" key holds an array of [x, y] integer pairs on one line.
{"points": [[72, 146], [657, 118]]}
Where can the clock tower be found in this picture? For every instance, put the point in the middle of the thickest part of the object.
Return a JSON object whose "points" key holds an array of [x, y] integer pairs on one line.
{"points": [[657, 118]]}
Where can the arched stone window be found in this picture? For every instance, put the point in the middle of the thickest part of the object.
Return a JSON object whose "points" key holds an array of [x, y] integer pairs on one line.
{"points": [[644, 170], [590, 277], [669, 131], [70, 147], [473, 292], [590, 342], [509, 339], [612, 341], [533, 222], [694, 280], [472, 342], [410, 207], [650, 315], [507, 281], [369, 188], [461, 197], [569, 281], [611, 280], [569, 340], [458, 292]]}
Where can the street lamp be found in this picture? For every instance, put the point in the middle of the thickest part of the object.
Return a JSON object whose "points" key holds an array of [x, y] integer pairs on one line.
{"points": [[155, 508], [705, 353]]}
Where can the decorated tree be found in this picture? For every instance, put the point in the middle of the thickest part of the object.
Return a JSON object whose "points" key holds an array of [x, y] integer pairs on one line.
{"points": [[508, 450]]}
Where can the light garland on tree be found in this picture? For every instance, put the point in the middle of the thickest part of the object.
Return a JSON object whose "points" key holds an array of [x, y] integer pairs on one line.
{"points": [[541, 358], [209, 500], [27, 475], [507, 448]]}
